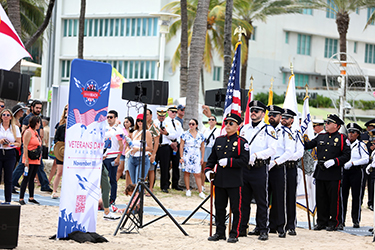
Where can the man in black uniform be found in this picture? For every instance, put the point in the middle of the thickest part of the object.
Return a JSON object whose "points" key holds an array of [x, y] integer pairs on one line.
{"points": [[230, 153], [333, 149]]}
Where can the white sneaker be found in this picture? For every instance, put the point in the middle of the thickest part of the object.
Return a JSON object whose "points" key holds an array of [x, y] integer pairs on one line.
{"points": [[111, 216], [188, 193], [203, 189], [54, 196], [202, 195]]}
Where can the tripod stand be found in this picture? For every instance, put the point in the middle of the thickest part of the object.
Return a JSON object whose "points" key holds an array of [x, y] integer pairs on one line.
{"points": [[141, 186]]}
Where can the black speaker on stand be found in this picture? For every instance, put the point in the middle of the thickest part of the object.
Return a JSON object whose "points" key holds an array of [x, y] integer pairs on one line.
{"points": [[216, 97], [14, 86], [148, 91], [9, 225]]}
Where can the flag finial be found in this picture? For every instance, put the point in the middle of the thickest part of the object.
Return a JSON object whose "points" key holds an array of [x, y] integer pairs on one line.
{"points": [[239, 30], [251, 81], [291, 68], [307, 91]]}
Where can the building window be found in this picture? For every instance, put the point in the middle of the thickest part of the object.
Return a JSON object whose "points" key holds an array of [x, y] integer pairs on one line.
{"points": [[303, 44], [301, 80], [217, 71], [307, 11], [65, 69], [287, 37], [357, 11], [330, 47], [369, 13], [370, 53], [355, 47], [331, 12], [253, 35]]}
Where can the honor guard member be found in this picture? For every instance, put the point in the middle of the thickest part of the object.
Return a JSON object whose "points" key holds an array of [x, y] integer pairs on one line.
{"points": [[230, 153], [175, 146], [277, 179], [368, 138], [318, 126], [333, 150], [262, 145], [167, 134], [353, 173], [287, 120]]}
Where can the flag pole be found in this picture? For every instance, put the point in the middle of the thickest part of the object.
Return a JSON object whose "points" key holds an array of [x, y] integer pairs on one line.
{"points": [[303, 170]]}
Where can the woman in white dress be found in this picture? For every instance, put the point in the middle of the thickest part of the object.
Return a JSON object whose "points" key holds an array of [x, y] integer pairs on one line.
{"points": [[192, 153]]}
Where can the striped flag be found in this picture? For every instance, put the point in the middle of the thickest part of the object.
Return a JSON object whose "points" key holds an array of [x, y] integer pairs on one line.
{"points": [[88, 117], [233, 96], [250, 97], [12, 49]]}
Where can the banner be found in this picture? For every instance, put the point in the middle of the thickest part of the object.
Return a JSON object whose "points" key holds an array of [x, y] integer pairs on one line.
{"points": [[290, 101], [84, 143]]}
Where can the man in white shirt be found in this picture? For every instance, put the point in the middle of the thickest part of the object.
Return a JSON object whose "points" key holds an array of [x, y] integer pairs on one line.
{"points": [[114, 146]]}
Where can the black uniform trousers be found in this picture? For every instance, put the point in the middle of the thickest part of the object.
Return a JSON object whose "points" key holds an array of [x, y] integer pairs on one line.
{"points": [[164, 156], [175, 167], [328, 202], [276, 197], [221, 202], [369, 179], [291, 188], [255, 186], [352, 178]]}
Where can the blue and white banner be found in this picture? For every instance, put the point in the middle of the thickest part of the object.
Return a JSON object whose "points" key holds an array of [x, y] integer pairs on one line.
{"points": [[84, 143]]}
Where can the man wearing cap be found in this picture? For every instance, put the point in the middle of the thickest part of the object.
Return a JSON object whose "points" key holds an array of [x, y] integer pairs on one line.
{"points": [[230, 153], [180, 114], [353, 173], [333, 150], [287, 120], [368, 138], [262, 145], [276, 179], [318, 126]]}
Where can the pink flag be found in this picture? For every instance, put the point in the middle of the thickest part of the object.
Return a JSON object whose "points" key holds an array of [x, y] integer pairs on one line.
{"points": [[11, 47]]}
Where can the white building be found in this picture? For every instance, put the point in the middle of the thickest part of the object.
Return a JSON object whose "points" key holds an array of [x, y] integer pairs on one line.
{"points": [[124, 34]]}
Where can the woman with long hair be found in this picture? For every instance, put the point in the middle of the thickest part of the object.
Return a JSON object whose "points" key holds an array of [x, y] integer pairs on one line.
{"points": [[10, 137], [31, 141], [135, 158], [128, 130], [191, 156]]}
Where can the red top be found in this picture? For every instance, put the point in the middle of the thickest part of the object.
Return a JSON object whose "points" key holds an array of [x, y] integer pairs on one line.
{"points": [[35, 141]]}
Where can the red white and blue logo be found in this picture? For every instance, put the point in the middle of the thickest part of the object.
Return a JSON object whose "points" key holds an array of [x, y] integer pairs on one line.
{"points": [[90, 90]]}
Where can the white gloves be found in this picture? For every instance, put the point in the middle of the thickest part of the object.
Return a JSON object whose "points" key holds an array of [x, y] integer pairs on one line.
{"points": [[329, 163], [208, 173], [253, 157], [348, 165], [223, 162], [368, 168], [272, 164]]}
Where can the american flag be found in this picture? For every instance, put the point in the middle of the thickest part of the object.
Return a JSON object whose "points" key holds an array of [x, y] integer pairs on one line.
{"points": [[87, 118], [233, 96]]}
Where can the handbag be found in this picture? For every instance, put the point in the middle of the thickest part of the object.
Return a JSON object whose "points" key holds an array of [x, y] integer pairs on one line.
{"points": [[35, 153]]}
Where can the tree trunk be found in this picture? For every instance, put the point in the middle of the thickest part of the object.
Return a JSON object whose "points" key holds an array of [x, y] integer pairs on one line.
{"points": [[184, 57], [244, 65], [342, 21], [15, 19], [227, 41], [42, 27], [81, 28], [202, 80]]}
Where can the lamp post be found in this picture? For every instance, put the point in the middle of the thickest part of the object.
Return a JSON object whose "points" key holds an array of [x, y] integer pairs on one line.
{"points": [[164, 21]]}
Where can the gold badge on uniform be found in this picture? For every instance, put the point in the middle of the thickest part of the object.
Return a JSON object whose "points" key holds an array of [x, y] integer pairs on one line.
{"points": [[290, 137], [273, 133], [336, 139], [235, 143]]}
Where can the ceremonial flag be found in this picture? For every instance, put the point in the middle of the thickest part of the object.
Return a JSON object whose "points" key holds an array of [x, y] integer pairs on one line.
{"points": [[12, 49], [308, 159], [290, 101], [250, 97], [270, 102], [233, 96]]}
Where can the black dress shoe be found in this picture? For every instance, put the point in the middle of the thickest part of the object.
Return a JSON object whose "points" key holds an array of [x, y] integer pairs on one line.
{"points": [[319, 227], [242, 234], [254, 232], [263, 236], [178, 188], [18, 185], [232, 240], [371, 208], [282, 235], [14, 191], [34, 201], [22, 202], [331, 228], [273, 231], [165, 190], [356, 225], [48, 189], [217, 237], [340, 226], [292, 232]]}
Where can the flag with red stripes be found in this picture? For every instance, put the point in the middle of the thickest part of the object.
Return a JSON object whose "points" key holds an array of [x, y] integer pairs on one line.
{"points": [[233, 96], [247, 112], [11, 47]]}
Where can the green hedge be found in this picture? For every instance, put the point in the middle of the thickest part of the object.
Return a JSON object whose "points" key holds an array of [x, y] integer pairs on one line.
{"points": [[319, 102]]}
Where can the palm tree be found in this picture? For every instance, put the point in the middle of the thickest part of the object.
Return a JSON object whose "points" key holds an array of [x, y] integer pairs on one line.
{"points": [[254, 10], [227, 41], [371, 19], [184, 57]]}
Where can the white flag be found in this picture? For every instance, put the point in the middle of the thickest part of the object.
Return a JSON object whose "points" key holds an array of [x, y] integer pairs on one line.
{"points": [[12, 49], [290, 101]]}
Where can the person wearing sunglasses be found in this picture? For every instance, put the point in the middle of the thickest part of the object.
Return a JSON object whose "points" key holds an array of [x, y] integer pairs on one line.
{"points": [[318, 126], [353, 173], [114, 145], [262, 145], [2, 105], [333, 150], [191, 156]]}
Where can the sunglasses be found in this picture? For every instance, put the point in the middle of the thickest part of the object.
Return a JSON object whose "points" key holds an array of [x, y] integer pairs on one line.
{"points": [[6, 115], [2, 106], [230, 123], [66, 117], [272, 114], [174, 112], [351, 131], [285, 117], [110, 117], [182, 109], [211, 119], [192, 124], [328, 122], [254, 110], [139, 120]]}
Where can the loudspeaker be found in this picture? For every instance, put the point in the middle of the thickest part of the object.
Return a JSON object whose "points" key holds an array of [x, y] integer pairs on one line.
{"points": [[9, 225], [149, 92], [216, 98], [14, 86]]}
